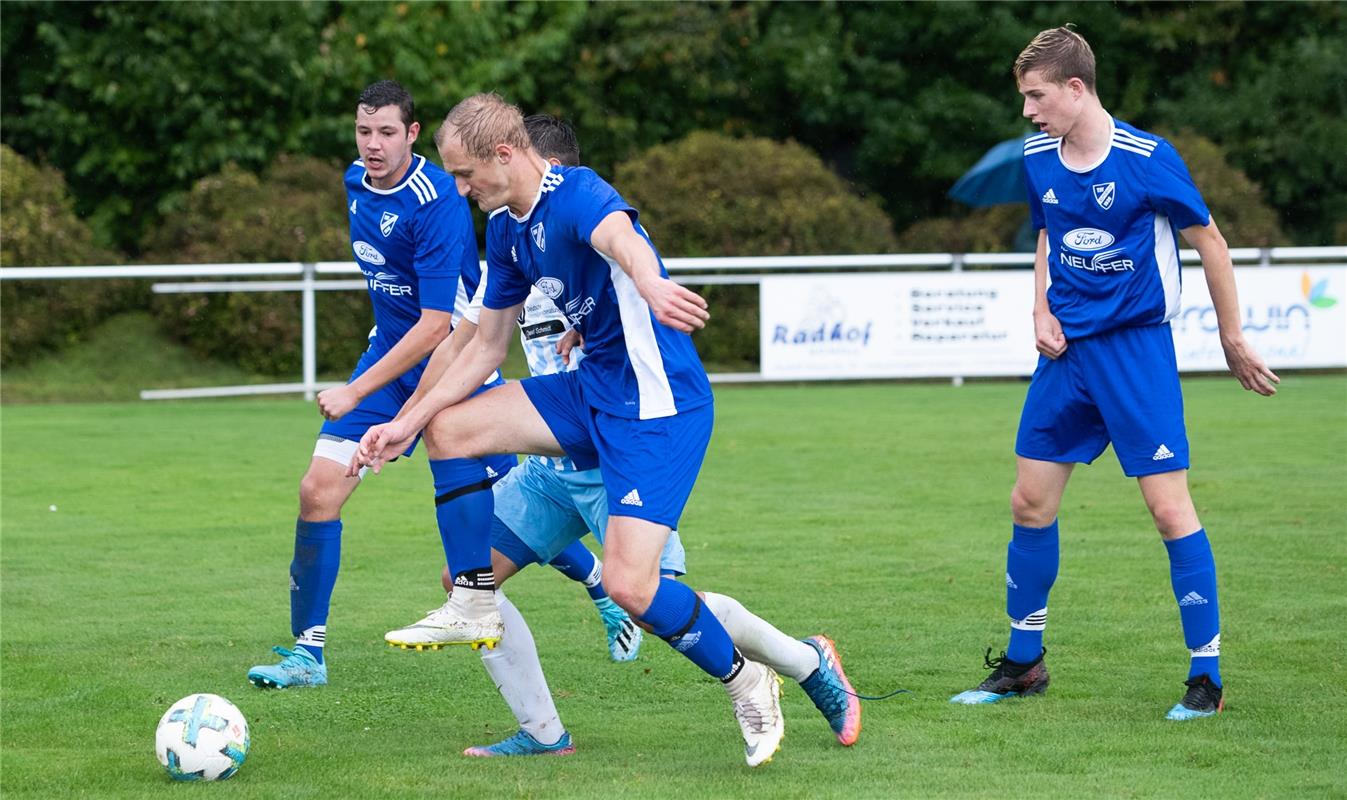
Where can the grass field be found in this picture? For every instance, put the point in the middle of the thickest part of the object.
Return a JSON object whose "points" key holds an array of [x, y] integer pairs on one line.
{"points": [[876, 513]]}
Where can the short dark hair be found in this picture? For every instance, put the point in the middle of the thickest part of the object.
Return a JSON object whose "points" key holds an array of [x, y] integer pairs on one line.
{"points": [[389, 93], [1060, 54], [553, 138]]}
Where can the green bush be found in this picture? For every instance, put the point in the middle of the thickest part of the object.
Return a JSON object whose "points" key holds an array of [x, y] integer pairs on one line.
{"points": [[712, 195], [1236, 202], [39, 228], [295, 212], [984, 230]]}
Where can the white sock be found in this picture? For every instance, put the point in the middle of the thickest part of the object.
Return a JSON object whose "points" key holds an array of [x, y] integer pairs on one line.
{"points": [[515, 669], [474, 602], [758, 640]]}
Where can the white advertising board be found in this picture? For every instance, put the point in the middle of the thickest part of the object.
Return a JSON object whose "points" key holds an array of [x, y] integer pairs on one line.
{"points": [[943, 324]]}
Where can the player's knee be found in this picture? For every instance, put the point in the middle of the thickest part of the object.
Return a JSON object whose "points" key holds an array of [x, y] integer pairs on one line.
{"points": [[633, 595], [1174, 519], [1030, 509], [319, 498], [445, 439]]}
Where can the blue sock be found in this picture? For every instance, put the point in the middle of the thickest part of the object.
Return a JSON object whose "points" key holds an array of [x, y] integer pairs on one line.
{"points": [[1031, 569], [313, 574], [677, 616], [464, 508], [580, 565], [1192, 571]]}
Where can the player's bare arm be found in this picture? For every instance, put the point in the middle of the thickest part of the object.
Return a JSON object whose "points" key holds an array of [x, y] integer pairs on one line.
{"points": [[1248, 367], [480, 357], [1048, 336], [423, 337], [674, 305]]}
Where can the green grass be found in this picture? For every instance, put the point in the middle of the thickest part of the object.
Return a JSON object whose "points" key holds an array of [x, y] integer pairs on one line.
{"points": [[876, 513]]}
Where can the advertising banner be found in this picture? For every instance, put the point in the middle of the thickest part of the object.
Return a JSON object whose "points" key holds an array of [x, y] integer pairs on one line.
{"points": [[945, 324]]}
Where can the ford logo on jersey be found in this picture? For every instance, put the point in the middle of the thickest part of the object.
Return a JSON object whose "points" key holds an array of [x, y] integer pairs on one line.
{"points": [[367, 253], [1087, 239], [550, 287]]}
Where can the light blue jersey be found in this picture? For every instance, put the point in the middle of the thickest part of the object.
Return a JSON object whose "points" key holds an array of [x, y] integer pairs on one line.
{"points": [[1112, 229], [541, 327], [635, 367], [413, 242]]}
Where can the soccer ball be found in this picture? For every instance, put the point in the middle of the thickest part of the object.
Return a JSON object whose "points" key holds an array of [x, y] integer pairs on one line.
{"points": [[202, 737]]}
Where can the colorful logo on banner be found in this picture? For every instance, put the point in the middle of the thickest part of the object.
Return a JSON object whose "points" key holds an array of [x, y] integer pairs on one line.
{"points": [[1316, 293]]}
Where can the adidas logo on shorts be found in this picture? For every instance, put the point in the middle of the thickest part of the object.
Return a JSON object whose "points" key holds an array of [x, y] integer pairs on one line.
{"points": [[632, 499], [1161, 453]]}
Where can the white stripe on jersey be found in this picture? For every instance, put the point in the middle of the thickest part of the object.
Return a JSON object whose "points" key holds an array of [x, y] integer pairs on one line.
{"points": [[1053, 144], [638, 329], [1131, 148], [1167, 261], [420, 192], [427, 187], [1119, 133]]}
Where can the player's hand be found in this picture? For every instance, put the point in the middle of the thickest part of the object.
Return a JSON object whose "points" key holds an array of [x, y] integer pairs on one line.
{"points": [[674, 305], [1048, 336], [379, 445], [1253, 374], [338, 401], [571, 340]]}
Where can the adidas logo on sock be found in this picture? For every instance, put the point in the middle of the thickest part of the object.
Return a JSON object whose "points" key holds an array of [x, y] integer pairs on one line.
{"points": [[1161, 453], [1010, 584], [1212, 648], [1193, 599], [686, 641], [632, 499], [1050, 197]]}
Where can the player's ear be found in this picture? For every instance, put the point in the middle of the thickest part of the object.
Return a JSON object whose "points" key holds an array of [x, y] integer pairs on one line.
{"points": [[412, 131], [504, 153]]}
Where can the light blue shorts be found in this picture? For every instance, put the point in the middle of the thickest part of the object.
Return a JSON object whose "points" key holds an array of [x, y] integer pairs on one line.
{"points": [[547, 509]]}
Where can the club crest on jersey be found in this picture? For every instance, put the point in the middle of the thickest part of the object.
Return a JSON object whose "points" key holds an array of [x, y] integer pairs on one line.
{"points": [[386, 222], [368, 253], [550, 287], [1104, 194], [539, 236]]}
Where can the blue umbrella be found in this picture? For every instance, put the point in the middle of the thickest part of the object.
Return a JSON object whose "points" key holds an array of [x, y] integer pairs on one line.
{"points": [[997, 178]]}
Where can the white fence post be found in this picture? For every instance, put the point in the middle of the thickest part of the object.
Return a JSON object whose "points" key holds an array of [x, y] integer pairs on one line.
{"points": [[310, 333]]}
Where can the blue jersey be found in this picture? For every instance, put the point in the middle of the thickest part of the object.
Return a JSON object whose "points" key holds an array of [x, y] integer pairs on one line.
{"points": [[413, 242], [634, 367], [1112, 229]]}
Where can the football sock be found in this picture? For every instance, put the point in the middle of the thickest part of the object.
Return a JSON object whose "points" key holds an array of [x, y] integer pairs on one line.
{"points": [[760, 641], [1031, 569], [313, 574], [464, 507], [678, 616], [1192, 571], [513, 666], [578, 564]]}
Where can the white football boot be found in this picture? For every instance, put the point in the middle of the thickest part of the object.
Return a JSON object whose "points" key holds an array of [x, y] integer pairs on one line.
{"points": [[469, 616], [756, 692]]}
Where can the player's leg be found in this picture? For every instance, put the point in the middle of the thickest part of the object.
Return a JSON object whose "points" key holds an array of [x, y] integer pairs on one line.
{"points": [[583, 489], [1059, 426], [323, 491], [1192, 574], [1142, 401], [812, 662], [458, 441]]}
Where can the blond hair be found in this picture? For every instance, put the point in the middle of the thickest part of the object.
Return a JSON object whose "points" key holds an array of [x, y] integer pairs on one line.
{"points": [[483, 121], [1059, 54]]}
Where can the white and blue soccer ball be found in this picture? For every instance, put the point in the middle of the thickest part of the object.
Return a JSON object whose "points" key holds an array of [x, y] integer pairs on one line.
{"points": [[202, 737]]}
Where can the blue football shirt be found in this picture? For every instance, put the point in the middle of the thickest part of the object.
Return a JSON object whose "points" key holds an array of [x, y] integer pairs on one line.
{"points": [[634, 367], [1112, 229], [413, 242]]}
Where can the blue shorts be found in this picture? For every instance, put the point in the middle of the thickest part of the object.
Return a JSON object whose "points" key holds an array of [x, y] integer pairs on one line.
{"points": [[546, 509], [648, 465], [379, 407], [1121, 386], [384, 404]]}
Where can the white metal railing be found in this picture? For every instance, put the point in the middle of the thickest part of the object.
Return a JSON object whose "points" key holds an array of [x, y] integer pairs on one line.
{"points": [[305, 278]]}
